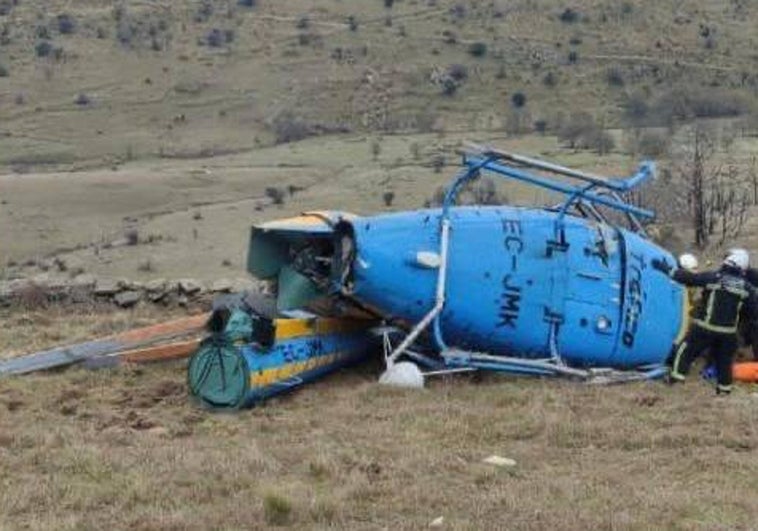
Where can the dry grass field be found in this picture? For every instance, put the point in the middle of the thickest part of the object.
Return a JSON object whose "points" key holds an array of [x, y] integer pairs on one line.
{"points": [[126, 449], [199, 213], [174, 119]]}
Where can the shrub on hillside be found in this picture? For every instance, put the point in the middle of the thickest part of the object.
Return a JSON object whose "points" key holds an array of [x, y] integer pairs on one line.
{"points": [[577, 129], [66, 24], [388, 198], [5, 35], [477, 49], [653, 144], [458, 11], [4, 71], [43, 49], [458, 72], [602, 142], [636, 109], [275, 194], [204, 11], [6, 6], [449, 86], [289, 128], [550, 80], [42, 32], [686, 102], [438, 162], [518, 100], [614, 77], [82, 100], [569, 16], [132, 236], [247, 3], [449, 37], [217, 38]]}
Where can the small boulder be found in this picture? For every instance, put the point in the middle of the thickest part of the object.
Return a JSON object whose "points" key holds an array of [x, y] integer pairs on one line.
{"points": [[497, 460], [127, 299], [58, 284], [84, 280], [156, 290], [45, 264], [222, 285], [437, 522], [107, 286], [42, 280], [19, 285], [189, 286], [243, 284], [131, 285], [6, 294], [156, 285]]}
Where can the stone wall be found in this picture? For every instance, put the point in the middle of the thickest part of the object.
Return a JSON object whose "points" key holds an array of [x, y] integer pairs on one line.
{"points": [[125, 293]]}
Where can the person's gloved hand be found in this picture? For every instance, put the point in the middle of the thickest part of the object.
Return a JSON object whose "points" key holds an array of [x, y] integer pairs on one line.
{"points": [[661, 265]]}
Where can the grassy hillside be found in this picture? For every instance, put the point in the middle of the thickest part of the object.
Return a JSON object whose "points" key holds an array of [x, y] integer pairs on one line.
{"points": [[126, 449], [99, 82]]}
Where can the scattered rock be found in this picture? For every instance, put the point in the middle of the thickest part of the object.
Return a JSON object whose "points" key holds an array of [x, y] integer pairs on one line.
{"points": [[42, 280], [45, 264], [156, 290], [500, 461], [131, 285], [107, 286], [19, 285], [222, 285], [58, 284], [243, 284], [6, 294], [84, 281], [71, 264], [156, 286], [437, 522], [189, 286], [120, 242], [126, 299], [182, 301]]}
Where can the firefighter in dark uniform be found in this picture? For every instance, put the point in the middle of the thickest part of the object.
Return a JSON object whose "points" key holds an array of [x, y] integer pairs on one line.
{"points": [[750, 326], [726, 292]]}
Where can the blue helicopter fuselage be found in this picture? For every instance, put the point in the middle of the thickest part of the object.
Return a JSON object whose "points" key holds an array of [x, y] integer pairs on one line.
{"points": [[512, 281]]}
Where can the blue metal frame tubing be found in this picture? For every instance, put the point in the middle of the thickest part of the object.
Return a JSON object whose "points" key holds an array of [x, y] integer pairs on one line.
{"points": [[645, 172]]}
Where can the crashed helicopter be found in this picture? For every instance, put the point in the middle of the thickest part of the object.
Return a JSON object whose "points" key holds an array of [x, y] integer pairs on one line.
{"points": [[560, 291]]}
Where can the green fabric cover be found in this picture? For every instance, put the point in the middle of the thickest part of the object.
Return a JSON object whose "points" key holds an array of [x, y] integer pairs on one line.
{"points": [[218, 374]]}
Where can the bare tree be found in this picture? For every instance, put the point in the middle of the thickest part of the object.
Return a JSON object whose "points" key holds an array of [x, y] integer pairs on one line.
{"points": [[752, 173], [717, 198]]}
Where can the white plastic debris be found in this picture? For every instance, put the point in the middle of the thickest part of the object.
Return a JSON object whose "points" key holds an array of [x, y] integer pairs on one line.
{"points": [[437, 522], [497, 460], [403, 374]]}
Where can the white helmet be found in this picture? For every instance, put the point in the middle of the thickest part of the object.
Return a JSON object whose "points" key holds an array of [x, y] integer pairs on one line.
{"points": [[738, 258], [688, 262]]}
